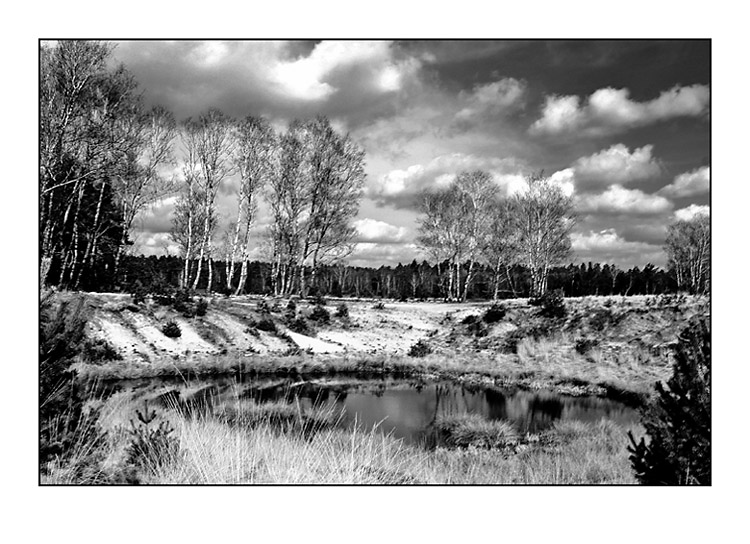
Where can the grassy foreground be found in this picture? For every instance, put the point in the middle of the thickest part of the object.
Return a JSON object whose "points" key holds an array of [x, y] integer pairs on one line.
{"points": [[280, 443]]}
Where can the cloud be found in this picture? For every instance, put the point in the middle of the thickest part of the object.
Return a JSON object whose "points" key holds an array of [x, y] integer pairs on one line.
{"points": [[609, 110], [353, 80], [686, 214], [374, 231], [401, 188], [616, 165], [492, 99], [694, 182], [617, 199], [608, 246], [374, 254]]}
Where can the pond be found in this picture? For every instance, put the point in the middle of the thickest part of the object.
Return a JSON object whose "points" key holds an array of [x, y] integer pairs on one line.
{"points": [[404, 408]]}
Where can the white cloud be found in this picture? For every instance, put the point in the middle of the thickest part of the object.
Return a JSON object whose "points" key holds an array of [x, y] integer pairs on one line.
{"points": [[691, 183], [617, 165], [608, 246], [400, 188], [686, 214], [617, 199], [372, 230], [493, 98], [611, 110]]}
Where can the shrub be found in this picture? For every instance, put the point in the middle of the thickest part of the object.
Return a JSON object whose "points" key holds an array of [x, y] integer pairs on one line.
{"points": [[342, 311], [470, 319], [319, 300], [299, 325], [601, 318], [262, 307], [551, 303], [150, 447], [584, 345], [139, 293], [171, 329], [201, 307], [320, 314], [99, 350], [378, 306], [478, 328], [267, 325], [494, 314], [678, 420], [420, 349]]}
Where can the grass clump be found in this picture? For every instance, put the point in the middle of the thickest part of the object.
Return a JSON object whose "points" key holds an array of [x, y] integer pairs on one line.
{"points": [[420, 349], [171, 329], [473, 430], [584, 345], [378, 306]]}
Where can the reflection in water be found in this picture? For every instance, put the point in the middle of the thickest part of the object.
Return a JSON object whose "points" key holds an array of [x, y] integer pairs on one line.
{"points": [[407, 409]]}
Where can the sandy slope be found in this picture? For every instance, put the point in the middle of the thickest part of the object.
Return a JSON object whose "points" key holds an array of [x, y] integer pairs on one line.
{"points": [[231, 326]]}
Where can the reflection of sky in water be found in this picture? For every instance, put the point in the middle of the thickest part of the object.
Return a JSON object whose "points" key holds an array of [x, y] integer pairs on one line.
{"points": [[407, 411]]}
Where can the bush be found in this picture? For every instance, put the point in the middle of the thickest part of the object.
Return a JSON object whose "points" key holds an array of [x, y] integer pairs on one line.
{"points": [[171, 329], [319, 300], [342, 311], [378, 306], [420, 349], [470, 319], [494, 314], [99, 350], [552, 304], [584, 345], [262, 307], [299, 325], [678, 421], [267, 325], [139, 293], [320, 314], [201, 307]]}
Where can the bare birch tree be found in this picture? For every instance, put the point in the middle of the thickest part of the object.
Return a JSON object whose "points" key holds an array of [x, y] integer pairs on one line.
{"points": [[543, 218], [500, 247], [256, 157], [688, 248]]}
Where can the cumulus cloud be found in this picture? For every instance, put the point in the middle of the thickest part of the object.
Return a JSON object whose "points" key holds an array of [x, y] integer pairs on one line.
{"points": [[608, 246], [686, 214], [401, 188], [353, 80], [616, 164], [374, 231], [617, 199], [610, 110], [492, 99], [694, 182]]}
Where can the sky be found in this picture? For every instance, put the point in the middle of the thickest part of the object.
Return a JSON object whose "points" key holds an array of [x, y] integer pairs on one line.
{"points": [[623, 126]]}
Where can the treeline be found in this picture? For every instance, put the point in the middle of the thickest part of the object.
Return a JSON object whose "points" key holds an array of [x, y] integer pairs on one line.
{"points": [[404, 282]]}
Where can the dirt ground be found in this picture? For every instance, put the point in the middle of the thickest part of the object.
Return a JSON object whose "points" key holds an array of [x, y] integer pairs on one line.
{"points": [[231, 325]]}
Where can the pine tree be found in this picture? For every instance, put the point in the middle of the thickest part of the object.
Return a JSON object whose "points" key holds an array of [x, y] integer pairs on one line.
{"points": [[678, 422]]}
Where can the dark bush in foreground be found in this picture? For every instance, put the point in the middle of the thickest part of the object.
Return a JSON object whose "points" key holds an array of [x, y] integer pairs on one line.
{"points": [[262, 307], [551, 304], [320, 314], [420, 349], [678, 421], [494, 314], [470, 319], [171, 329]]}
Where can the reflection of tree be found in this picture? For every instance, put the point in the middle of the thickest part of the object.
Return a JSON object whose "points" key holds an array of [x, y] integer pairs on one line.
{"points": [[496, 404]]}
